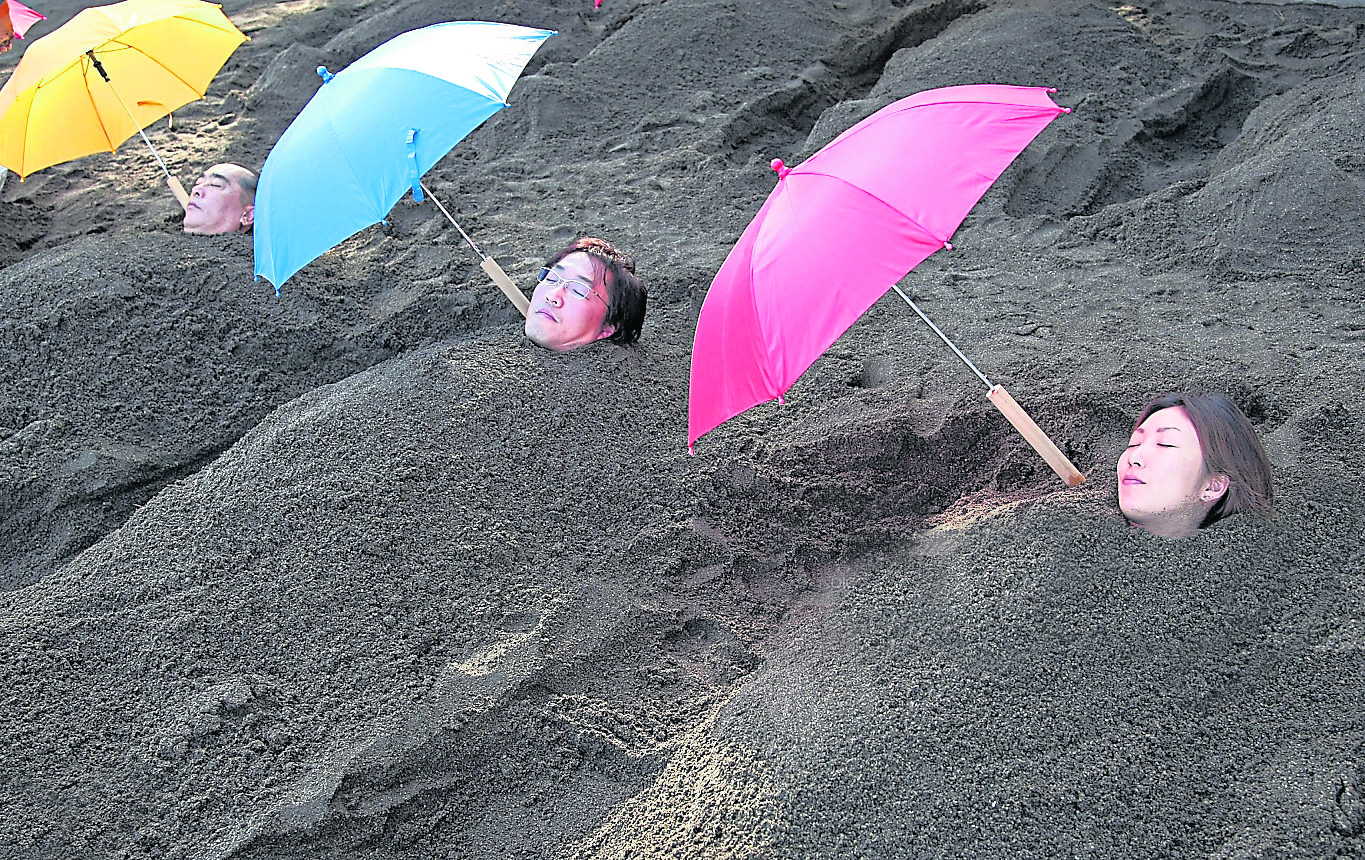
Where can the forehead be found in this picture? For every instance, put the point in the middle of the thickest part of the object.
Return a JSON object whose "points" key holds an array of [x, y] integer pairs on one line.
{"points": [[1172, 418], [580, 265], [226, 172]]}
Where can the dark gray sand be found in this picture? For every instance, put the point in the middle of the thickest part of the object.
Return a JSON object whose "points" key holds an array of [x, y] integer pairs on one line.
{"points": [[357, 573]]}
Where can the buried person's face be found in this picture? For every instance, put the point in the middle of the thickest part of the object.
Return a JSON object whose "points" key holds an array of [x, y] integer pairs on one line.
{"points": [[1163, 485], [569, 307], [217, 202]]}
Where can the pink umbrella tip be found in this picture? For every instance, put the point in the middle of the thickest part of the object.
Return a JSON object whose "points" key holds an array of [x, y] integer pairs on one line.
{"points": [[21, 17], [782, 169], [691, 452]]}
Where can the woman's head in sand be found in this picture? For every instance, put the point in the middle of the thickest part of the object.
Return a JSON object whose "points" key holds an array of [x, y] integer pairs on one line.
{"points": [[1192, 459], [587, 292], [223, 201]]}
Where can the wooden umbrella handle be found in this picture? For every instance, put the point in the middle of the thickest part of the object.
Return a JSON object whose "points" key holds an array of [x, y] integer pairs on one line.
{"points": [[509, 289], [1034, 435], [179, 191]]}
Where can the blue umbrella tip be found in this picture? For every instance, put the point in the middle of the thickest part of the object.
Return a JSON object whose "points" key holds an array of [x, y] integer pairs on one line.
{"points": [[324, 74]]}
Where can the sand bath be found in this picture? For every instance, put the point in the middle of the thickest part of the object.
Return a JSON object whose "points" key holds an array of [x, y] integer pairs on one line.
{"points": [[355, 572]]}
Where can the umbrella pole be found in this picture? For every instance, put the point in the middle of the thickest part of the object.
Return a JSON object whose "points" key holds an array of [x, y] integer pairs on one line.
{"points": [[943, 337], [488, 264], [171, 182], [1013, 412]]}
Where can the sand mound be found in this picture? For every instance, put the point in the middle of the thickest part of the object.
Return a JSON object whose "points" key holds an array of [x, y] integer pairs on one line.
{"points": [[357, 572]]}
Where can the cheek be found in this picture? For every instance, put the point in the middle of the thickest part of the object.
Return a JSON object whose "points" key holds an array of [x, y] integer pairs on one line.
{"points": [[577, 317], [594, 315], [1180, 482], [1192, 471]]}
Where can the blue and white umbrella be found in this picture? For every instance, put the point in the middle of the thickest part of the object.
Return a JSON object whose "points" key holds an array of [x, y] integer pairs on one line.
{"points": [[372, 130]]}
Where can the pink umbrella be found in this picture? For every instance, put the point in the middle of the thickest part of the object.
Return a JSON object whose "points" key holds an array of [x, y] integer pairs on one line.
{"points": [[20, 18], [842, 228]]}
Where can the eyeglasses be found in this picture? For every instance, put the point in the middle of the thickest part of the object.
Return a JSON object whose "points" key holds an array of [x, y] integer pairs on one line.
{"points": [[578, 288]]}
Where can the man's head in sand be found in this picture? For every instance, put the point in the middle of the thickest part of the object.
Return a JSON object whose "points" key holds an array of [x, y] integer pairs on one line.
{"points": [[1192, 460], [587, 292], [222, 201]]}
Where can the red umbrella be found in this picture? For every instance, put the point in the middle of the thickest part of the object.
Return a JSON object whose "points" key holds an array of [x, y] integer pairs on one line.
{"points": [[842, 228]]}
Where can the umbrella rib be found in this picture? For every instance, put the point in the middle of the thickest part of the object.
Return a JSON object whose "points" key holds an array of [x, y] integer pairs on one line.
{"points": [[23, 152], [870, 195], [154, 60], [170, 71], [94, 108], [1055, 109]]}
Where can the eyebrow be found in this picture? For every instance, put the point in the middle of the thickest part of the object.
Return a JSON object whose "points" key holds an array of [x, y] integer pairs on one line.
{"points": [[1137, 430]]}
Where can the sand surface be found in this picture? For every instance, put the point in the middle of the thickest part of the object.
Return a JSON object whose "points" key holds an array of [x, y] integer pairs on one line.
{"points": [[356, 572]]}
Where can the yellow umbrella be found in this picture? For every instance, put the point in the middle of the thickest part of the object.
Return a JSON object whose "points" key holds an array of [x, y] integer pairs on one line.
{"points": [[107, 73]]}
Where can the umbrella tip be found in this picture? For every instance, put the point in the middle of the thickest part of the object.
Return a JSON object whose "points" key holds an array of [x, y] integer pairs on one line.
{"points": [[782, 169], [324, 74], [691, 452]]}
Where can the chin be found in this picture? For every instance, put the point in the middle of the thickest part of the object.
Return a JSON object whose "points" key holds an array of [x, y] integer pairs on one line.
{"points": [[538, 337]]}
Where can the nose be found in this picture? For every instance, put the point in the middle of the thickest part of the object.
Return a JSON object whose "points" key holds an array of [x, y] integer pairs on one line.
{"points": [[555, 292], [1134, 456]]}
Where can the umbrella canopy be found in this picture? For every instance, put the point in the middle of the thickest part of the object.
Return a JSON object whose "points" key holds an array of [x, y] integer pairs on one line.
{"points": [[371, 132], [843, 227], [15, 19], [101, 77]]}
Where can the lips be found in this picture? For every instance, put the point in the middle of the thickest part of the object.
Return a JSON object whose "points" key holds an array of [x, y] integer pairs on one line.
{"points": [[545, 312], [1130, 480]]}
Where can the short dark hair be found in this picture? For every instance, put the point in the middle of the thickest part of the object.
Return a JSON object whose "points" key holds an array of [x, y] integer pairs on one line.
{"points": [[625, 293], [1231, 447], [246, 183]]}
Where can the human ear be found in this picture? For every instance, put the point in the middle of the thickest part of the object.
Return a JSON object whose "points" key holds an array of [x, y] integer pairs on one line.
{"points": [[1214, 488], [248, 216], [607, 331]]}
